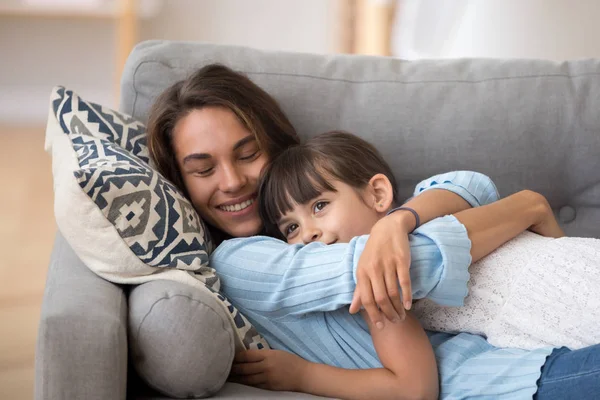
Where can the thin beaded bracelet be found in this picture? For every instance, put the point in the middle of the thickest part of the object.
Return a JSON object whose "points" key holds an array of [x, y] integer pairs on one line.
{"points": [[407, 209]]}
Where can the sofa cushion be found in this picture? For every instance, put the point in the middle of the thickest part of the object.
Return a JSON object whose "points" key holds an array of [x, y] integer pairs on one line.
{"points": [[180, 340], [130, 225], [528, 124]]}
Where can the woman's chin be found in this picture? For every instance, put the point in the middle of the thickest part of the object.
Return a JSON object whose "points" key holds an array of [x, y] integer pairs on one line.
{"points": [[245, 229]]}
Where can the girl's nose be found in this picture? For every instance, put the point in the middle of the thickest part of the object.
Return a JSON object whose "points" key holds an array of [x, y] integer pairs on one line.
{"points": [[310, 235]]}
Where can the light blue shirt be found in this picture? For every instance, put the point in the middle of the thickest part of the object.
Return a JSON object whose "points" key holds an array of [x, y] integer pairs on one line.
{"points": [[298, 296]]}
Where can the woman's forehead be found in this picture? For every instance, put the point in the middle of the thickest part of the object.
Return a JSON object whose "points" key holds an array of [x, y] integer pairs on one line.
{"points": [[210, 130]]}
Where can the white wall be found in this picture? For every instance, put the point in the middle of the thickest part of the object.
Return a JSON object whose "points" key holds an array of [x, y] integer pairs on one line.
{"points": [[293, 25], [547, 29], [37, 54]]}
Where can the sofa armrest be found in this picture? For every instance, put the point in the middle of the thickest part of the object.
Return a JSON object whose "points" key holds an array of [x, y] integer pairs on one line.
{"points": [[82, 339]]}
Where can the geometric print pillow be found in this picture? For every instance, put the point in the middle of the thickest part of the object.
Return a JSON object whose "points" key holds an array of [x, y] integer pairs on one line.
{"points": [[125, 221], [158, 224]]}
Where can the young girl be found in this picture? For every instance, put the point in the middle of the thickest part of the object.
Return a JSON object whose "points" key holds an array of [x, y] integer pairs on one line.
{"points": [[533, 291], [331, 190]]}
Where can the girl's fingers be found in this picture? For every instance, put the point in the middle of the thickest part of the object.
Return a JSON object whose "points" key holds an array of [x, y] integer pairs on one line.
{"points": [[250, 356], [391, 283], [405, 285], [247, 368], [380, 291], [366, 295], [356, 302]]}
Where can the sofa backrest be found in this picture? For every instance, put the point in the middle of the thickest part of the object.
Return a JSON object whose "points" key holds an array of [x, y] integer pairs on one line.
{"points": [[525, 123]]}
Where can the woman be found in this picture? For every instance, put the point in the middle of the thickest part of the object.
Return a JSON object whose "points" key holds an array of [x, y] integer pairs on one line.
{"points": [[213, 133]]}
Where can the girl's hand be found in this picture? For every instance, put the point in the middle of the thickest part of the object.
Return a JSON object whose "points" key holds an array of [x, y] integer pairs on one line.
{"points": [[268, 369], [384, 263]]}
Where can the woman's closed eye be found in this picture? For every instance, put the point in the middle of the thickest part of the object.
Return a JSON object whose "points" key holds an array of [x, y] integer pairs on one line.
{"points": [[203, 172], [207, 171], [250, 155]]}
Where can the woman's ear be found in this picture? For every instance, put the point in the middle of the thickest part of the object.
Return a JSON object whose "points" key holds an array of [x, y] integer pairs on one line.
{"points": [[381, 189]]}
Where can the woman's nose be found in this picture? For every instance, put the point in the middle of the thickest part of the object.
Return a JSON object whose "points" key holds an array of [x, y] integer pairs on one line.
{"points": [[232, 179], [312, 234]]}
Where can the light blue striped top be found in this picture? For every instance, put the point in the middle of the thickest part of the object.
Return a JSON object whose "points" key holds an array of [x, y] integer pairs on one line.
{"points": [[298, 296]]}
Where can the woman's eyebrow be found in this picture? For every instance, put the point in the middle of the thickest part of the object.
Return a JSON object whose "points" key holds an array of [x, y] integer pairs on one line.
{"points": [[196, 156], [243, 141], [204, 156]]}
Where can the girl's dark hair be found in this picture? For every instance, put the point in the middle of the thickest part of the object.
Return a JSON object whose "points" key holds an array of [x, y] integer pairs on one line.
{"points": [[303, 172], [216, 85]]}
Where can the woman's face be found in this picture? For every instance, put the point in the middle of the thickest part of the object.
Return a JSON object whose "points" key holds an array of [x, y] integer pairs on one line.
{"points": [[220, 162]]}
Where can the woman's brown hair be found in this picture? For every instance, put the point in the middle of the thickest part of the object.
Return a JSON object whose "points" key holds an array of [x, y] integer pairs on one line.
{"points": [[303, 172], [216, 85]]}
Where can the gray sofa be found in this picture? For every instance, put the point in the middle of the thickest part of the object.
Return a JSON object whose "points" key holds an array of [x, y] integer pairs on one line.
{"points": [[525, 123]]}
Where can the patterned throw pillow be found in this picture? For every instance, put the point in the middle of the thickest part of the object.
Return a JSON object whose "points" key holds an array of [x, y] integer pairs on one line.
{"points": [[124, 220]]}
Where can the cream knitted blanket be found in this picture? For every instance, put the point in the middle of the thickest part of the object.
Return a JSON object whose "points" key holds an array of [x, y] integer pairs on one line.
{"points": [[531, 292]]}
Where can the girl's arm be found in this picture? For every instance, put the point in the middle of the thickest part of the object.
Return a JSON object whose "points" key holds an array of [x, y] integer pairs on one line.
{"points": [[410, 369], [271, 277], [275, 279], [493, 225], [488, 227]]}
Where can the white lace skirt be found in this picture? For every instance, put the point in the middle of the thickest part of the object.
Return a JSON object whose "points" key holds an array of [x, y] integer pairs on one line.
{"points": [[531, 292]]}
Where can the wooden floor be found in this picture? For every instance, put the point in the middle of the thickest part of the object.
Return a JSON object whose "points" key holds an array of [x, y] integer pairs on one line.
{"points": [[26, 235]]}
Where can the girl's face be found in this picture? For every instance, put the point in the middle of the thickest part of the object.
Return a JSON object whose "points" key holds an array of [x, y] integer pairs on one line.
{"points": [[331, 217], [220, 162]]}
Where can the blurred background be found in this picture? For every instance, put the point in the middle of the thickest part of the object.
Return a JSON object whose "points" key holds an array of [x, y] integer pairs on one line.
{"points": [[83, 44]]}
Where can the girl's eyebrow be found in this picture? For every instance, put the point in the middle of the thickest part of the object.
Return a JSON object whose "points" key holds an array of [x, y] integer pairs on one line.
{"points": [[204, 156]]}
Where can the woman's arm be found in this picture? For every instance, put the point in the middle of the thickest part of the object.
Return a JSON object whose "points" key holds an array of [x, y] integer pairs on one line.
{"points": [[386, 258], [410, 369]]}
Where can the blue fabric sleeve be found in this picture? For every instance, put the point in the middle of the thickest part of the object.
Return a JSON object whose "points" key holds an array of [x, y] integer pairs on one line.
{"points": [[443, 280], [273, 278], [477, 189]]}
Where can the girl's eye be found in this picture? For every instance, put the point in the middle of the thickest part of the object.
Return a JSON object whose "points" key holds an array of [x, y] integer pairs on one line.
{"points": [[320, 205], [250, 157], [290, 229]]}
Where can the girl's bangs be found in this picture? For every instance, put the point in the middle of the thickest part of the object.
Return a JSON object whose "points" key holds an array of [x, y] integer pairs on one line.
{"points": [[300, 180]]}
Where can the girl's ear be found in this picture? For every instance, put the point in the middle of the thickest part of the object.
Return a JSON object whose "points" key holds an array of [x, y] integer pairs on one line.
{"points": [[381, 189]]}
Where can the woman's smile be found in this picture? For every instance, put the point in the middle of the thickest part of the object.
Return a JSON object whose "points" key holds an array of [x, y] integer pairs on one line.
{"points": [[239, 207]]}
